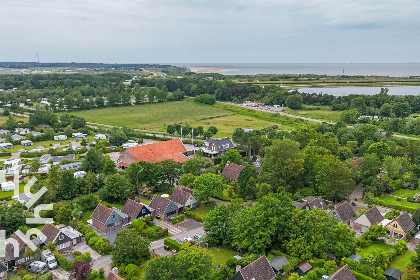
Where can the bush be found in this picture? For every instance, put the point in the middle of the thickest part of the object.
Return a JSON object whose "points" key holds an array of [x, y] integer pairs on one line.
{"points": [[194, 217], [360, 276], [102, 246], [46, 276], [205, 98], [172, 244], [28, 277], [83, 257], [89, 235], [5, 154], [185, 245], [92, 241], [62, 261], [178, 219]]}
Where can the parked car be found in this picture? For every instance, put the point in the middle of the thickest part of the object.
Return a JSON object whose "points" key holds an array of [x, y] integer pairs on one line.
{"points": [[197, 236], [49, 259], [187, 239], [37, 267]]}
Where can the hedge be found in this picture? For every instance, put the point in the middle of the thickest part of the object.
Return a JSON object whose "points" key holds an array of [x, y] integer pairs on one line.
{"points": [[5, 154], [178, 219], [172, 244], [62, 261], [360, 276], [185, 245], [193, 216]]}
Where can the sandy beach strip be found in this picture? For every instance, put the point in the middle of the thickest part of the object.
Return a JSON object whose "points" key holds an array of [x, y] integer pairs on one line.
{"points": [[211, 70]]}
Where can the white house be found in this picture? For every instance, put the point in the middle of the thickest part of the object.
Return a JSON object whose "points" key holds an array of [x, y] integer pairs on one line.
{"points": [[100, 137], [45, 158], [8, 186], [17, 137], [60, 137], [6, 146], [78, 135], [44, 169], [22, 130], [26, 143], [129, 145], [11, 162]]}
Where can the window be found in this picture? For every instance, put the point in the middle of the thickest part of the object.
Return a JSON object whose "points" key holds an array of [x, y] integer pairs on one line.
{"points": [[395, 226], [110, 225], [113, 216], [143, 211], [2, 274], [61, 237], [171, 213]]}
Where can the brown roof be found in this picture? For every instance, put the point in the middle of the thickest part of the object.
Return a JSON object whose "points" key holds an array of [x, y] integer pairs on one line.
{"points": [[160, 151], [159, 203], [10, 249], [298, 204], [185, 189], [132, 208], [305, 267], [180, 196], [344, 210], [50, 232], [101, 213], [343, 273], [113, 276], [318, 203], [260, 269], [405, 221], [374, 216], [232, 171]]}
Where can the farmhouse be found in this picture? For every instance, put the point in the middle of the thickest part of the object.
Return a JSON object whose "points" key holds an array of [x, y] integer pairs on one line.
{"points": [[212, 148], [108, 219], [371, 217], [156, 152], [135, 210], [165, 208], [344, 212], [232, 171], [260, 269], [401, 226], [65, 236]]}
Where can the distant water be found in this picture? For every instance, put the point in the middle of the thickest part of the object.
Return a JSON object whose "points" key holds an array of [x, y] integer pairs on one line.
{"points": [[331, 69], [342, 91]]}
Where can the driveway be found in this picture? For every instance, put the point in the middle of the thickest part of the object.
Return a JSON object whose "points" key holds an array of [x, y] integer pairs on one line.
{"points": [[98, 261]]}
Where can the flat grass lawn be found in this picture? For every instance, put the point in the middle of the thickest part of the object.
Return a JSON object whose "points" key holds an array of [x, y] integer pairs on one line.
{"points": [[391, 200], [405, 193], [373, 248], [402, 261], [202, 211], [324, 113], [12, 193], [221, 256]]}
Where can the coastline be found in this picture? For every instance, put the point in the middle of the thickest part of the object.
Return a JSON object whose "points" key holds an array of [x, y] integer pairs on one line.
{"points": [[208, 70]]}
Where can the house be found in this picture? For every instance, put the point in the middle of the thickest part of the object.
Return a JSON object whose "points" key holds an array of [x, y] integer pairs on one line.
{"points": [[278, 262], [11, 162], [318, 202], [260, 269], [212, 148], [17, 137], [37, 133], [71, 166], [3, 271], [100, 137], [108, 219], [65, 236], [45, 158], [135, 210], [8, 186], [299, 205], [343, 211], [27, 143], [303, 268], [6, 146], [4, 132], [232, 171], [44, 169], [60, 137], [14, 255], [401, 226], [343, 273], [22, 130], [58, 159], [183, 197], [370, 217], [78, 135], [392, 273], [165, 208], [172, 149]]}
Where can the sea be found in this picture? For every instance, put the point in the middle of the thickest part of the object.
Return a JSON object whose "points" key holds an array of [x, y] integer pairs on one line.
{"points": [[331, 69]]}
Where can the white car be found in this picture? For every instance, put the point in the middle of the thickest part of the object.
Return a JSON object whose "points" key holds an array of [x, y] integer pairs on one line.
{"points": [[197, 236], [187, 239]]}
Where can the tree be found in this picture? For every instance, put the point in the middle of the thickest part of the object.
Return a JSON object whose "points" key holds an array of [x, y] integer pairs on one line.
{"points": [[116, 188], [169, 170], [129, 248], [186, 180], [385, 110], [13, 217], [381, 149], [350, 116], [68, 188], [10, 123], [194, 165], [93, 161], [81, 271], [84, 142], [78, 122], [401, 109], [294, 101], [238, 134], [117, 138], [218, 224], [64, 214], [171, 129], [416, 216], [231, 155], [36, 164], [206, 185], [109, 166], [243, 179], [205, 98], [410, 273], [213, 130], [359, 104]]}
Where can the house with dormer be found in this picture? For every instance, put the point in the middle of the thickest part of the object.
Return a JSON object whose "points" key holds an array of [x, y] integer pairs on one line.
{"points": [[165, 208], [343, 211], [106, 219], [135, 210], [213, 148], [65, 236], [401, 226], [184, 196]]}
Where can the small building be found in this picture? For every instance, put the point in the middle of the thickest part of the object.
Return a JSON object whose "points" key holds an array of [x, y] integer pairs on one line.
{"points": [[184, 197], [232, 170], [23, 130], [8, 186], [78, 135], [45, 158], [303, 268], [44, 169], [58, 159], [4, 132], [107, 219], [299, 205], [356, 258], [212, 148], [278, 263], [17, 137], [317, 202], [343, 273], [65, 236], [61, 137], [165, 208], [135, 210], [401, 226], [71, 166], [370, 217], [27, 143], [11, 162], [100, 137], [6, 146], [260, 269], [392, 273], [37, 133], [344, 212], [130, 145]]}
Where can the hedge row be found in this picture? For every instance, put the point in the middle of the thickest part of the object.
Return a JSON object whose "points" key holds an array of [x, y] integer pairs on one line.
{"points": [[178, 219], [62, 261], [360, 276], [194, 216], [397, 206], [5, 154], [172, 244]]}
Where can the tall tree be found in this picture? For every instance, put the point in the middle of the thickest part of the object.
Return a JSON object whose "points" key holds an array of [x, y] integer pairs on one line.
{"points": [[207, 185], [116, 188], [93, 161], [130, 248]]}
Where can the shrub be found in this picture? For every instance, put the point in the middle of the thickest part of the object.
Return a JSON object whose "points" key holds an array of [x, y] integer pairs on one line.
{"points": [[172, 244], [185, 245], [92, 241], [46, 276], [205, 98], [102, 246], [178, 219], [194, 217], [360, 276], [28, 277], [401, 247], [83, 257], [62, 261], [89, 235]]}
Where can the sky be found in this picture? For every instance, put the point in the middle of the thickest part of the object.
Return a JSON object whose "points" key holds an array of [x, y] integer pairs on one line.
{"points": [[210, 31]]}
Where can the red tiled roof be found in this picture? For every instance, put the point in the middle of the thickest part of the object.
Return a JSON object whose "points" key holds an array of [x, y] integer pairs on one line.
{"points": [[101, 213], [50, 232], [160, 151], [113, 276]]}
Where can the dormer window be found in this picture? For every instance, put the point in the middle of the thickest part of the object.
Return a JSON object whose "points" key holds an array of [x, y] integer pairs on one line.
{"points": [[113, 216], [61, 237], [395, 226]]}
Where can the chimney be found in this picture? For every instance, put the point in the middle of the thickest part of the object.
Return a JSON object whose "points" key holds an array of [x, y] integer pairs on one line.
{"points": [[238, 268], [115, 270]]}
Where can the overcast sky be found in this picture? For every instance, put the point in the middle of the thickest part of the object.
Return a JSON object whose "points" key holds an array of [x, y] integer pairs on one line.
{"points": [[185, 31]]}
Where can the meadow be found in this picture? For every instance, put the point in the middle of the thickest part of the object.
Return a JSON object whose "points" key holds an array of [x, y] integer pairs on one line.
{"points": [[323, 113]]}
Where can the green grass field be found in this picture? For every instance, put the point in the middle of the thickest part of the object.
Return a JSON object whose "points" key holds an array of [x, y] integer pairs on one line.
{"points": [[402, 261], [405, 193], [324, 113], [202, 211], [221, 256], [374, 248], [388, 200], [157, 117], [12, 193]]}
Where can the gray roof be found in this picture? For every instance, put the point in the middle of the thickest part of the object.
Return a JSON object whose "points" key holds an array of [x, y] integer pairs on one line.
{"points": [[356, 258], [278, 262], [393, 272], [119, 212]]}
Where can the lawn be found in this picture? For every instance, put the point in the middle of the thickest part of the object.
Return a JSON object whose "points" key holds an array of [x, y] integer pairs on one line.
{"points": [[402, 261], [374, 248], [405, 193], [202, 211], [221, 256], [391, 201], [11, 193], [323, 113]]}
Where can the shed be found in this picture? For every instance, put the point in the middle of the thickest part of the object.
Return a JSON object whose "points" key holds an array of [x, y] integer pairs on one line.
{"points": [[278, 262], [303, 268], [392, 273]]}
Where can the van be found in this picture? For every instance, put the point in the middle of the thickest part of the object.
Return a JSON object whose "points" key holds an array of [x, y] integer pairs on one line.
{"points": [[37, 267], [49, 259]]}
